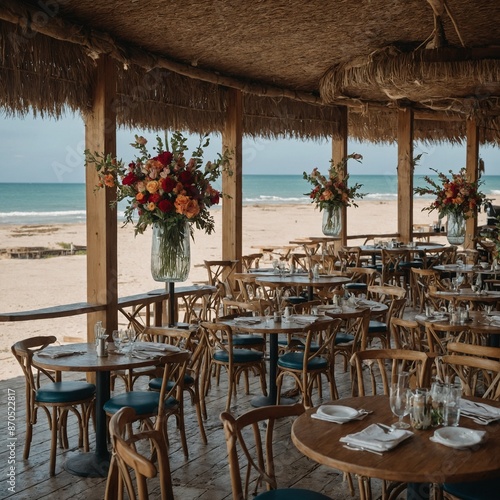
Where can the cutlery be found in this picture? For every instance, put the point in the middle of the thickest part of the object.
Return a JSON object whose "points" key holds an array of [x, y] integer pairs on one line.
{"points": [[387, 429], [361, 448]]}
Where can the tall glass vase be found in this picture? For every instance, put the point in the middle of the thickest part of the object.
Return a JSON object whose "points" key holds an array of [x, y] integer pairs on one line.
{"points": [[170, 251], [456, 229], [332, 221]]}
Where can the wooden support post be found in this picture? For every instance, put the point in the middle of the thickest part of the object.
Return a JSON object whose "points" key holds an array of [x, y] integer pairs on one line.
{"points": [[471, 167], [405, 174], [339, 152], [100, 136], [232, 183]]}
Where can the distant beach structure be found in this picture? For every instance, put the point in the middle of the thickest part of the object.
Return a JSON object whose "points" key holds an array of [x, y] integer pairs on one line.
{"points": [[24, 203]]}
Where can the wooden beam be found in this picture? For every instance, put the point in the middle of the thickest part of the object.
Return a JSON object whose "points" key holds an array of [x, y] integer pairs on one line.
{"points": [[102, 261], [471, 167], [232, 138], [405, 174], [339, 152]]}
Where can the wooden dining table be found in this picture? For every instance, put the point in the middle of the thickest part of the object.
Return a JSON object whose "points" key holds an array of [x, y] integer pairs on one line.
{"points": [[85, 359], [271, 327], [465, 295], [417, 460]]}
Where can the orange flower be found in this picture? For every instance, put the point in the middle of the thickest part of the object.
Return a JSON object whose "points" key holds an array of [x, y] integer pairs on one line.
{"points": [[109, 180], [186, 206], [140, 197], [152, 186]]}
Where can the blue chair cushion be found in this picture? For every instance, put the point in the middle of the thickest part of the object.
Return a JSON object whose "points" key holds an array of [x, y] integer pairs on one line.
{"points": [[143, 402], [155, 383], [295, 300], [377, 327], [344, 338], [295, 360], [248, 339], [355, 286], [475, 490], [64, 392], [239, 356], [291, 494]]}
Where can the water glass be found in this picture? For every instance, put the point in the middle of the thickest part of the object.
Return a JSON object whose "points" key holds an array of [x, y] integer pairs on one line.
{"points": [[117, 339], [437, 394], [453, 394], [421, 411]]}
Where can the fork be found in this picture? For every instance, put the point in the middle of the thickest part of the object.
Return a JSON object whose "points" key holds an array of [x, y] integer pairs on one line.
{"points": [[387, 429]]}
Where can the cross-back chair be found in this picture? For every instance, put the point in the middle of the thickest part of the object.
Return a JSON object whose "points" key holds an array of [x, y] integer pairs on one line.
{"points": [[250, 450], [222, 353], [220, 275], [406, 334], [420, 282], [392, 268], [159, 405], [132, 452], [46, 391], [310, 358], [250, 261]]}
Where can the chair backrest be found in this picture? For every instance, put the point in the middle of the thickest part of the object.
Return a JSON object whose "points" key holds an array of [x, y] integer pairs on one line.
{"points": [[220, 275], [439, 256], [392, 259], [127, 457], [306, 307], [23, 351], [478, 375], [421, 280], [384, 366], [251, 260], [467, 256], [236, 307], [366, 275], [355, 324], [350, 257], [406, 334], [195, 306], [250, 450], [396, 310], [218, 337], [385, 293]]}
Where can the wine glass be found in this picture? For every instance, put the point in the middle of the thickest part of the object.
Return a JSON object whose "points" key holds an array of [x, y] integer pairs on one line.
{"points": [[117, 339], [399, 400]]}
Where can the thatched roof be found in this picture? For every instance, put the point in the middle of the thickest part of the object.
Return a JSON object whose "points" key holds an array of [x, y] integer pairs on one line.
{"points": [[295, 62]]}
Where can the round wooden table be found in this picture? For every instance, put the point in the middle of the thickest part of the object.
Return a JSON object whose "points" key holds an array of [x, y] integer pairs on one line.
{"points": [[274, 328], [466, 295], [86, 360], [303, 280], [415, 460]]}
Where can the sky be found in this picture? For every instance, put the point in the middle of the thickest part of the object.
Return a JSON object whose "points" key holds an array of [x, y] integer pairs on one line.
{"points": [[47, 150]]}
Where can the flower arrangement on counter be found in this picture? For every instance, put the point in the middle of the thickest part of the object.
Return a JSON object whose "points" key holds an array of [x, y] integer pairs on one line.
{"points": [[453, 195], [333, 191]]}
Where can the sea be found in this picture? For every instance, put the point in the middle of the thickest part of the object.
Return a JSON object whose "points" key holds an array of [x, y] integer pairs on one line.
{"points": [[62, 203]]}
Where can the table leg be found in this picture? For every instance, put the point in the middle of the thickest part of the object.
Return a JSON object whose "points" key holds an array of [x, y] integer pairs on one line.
{"points": [[272, 389], [95, 464]]}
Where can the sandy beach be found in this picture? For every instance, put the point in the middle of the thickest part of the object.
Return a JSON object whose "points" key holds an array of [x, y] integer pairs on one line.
{"points": [[28, 284]]}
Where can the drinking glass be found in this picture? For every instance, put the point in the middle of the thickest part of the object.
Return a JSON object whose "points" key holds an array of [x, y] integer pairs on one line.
{"points": [[399, 399], [117, 339], [452, 397]]}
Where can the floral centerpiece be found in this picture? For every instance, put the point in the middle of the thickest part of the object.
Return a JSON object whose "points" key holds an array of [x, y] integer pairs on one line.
{"points": [[455, 197], [453, 194], [165, 190], [330, 193]]}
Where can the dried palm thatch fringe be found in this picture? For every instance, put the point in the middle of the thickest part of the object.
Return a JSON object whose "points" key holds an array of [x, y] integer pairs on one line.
{"points": [[441, 79]]}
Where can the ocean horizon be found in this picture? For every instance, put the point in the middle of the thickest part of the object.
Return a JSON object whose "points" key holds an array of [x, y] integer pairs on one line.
{"points": [[60, 203]]}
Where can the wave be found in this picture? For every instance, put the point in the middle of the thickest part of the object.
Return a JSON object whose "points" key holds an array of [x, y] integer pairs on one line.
{"points": [[276, 199]]}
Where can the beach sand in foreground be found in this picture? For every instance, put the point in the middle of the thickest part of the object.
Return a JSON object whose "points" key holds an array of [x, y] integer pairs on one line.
{"points": [[28, 284]]}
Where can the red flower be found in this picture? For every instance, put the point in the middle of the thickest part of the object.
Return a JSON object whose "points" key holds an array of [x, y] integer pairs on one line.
{"points": [[215, 198], [129, 179], [166, 206], [168, 184], [164, 158], [185, 177], [154, 198]]}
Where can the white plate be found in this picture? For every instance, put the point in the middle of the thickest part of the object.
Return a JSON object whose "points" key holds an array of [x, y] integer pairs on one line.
{"points": [[458, 437], [340, 413]]}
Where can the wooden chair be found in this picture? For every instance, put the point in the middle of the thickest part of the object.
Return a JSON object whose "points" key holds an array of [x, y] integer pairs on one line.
{"points": [[361, 279], [381, 329], [160, 405], [467, 256], [46, 391], [476, 367], [406, 334], [251, 260], [376, 370], [392, 267], [309, 359], [220, 275], [439, 256], [126, 457], [421, 280], [193, 378], [251, 451], [383, 366], [478, 370], [349, 257], [222, 352]]}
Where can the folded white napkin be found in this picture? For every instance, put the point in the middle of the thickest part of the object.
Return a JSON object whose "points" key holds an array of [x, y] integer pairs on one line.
{"points": [[376, 439], [305, 320], [56, 354], [481, 410], [155, 346]]}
